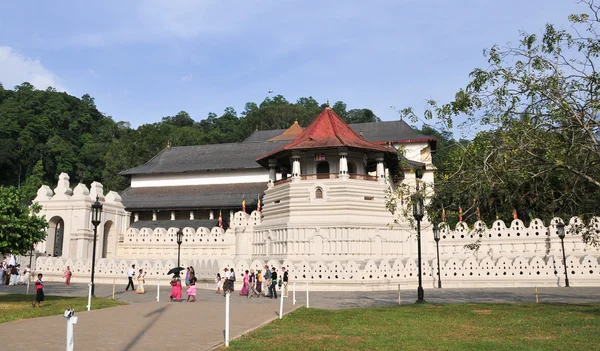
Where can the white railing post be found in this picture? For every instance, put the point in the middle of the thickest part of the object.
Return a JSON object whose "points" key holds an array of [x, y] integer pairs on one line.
{"points": [[294, 295], [158, 291], [71, 320], [89, 305], [227, 319], [281, 305], [307, 295]]}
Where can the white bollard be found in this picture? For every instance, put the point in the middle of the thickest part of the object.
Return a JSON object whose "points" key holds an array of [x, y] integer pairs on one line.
{"points": [[89, 305], [158, 291], [28, 281], [71, 320], [227, 319], [281, 305], [307, 295], [294, 295]]}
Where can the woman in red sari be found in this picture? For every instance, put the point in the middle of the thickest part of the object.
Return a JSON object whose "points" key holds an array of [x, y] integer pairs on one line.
{"points": [[175, 288], [67, 276]]}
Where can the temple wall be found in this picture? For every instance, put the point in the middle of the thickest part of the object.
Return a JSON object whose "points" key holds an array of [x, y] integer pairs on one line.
{"points": [[508, 256]]}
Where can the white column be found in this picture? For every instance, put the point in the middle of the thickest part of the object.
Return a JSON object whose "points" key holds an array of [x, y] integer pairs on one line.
{"points": [[172, 215], [343, 173], [154, 215], [136, 216], [296, 168], [272, 173], [380, 170], [191, 215], [230, 215], [211, 215]]}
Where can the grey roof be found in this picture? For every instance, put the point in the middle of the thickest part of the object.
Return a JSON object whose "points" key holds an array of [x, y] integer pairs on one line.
{"points": [[179, 223], [263, 135], [389, 131], [213, 196], [374, 131], [206, 158]]}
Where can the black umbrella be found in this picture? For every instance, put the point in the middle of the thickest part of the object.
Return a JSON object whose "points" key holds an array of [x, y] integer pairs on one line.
{"points": [[176, 270]]}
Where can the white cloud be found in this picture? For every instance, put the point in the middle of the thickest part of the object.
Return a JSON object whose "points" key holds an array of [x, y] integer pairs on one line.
{"points": [[16, 68], [187, 78]]}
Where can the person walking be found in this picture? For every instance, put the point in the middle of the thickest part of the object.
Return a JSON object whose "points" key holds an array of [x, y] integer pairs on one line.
{"points": [[252, 285], [285, 281], [245, 285], [226, 282], [39, 291], [231, 280], [26, 274], [218, 282], [130, 274], [267, 281], [14, 275], [175, 288], [273, 287], [187, 276], [141, 280], [2, 271], [191, 290], [259, 282], [68, 275]]}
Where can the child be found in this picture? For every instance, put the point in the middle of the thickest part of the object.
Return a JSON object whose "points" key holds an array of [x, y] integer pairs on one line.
{"points": [[218, 281], [191, 291], [39, 292]]}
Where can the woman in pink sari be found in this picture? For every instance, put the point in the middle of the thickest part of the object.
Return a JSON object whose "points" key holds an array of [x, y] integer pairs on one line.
{"points": [[67, 276], [175, 288], [244, 291]]}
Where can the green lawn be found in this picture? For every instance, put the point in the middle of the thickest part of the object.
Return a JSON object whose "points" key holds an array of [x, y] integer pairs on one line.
{"points": [[18, 306], [433, 327]]}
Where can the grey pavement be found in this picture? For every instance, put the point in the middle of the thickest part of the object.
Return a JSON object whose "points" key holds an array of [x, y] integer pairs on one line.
{"points": [[339, 300], [145, 324]]}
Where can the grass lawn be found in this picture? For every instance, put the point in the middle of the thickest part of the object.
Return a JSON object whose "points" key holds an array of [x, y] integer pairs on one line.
{"points": [[433, 327], [18, 306]]}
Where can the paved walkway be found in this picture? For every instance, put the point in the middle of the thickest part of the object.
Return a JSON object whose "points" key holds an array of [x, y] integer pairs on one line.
{"points": [[149, 325]]}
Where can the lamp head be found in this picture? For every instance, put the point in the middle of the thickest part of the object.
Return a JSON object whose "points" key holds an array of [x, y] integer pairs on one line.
{"points": [[179, 236], [560, 230], [436, 232], [418, 207], [96, 212]]}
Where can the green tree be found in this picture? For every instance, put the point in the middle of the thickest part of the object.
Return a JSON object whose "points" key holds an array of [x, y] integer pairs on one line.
{"points": [[20, 225], [537, 103], [34, 181]]}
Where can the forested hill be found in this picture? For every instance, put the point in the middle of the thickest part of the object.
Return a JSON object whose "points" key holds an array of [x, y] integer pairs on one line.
{"points": [[45, 132]]}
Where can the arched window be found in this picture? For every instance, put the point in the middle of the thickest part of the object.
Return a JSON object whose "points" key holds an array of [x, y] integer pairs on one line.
{"points": [[318, 193], [323, 170]]}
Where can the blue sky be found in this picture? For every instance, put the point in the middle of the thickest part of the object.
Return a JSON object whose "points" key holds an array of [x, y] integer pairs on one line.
{"points": [[142, 60]]}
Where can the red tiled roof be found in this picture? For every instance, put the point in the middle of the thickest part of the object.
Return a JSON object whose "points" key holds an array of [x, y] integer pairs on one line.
{"points": [[329, 131]]}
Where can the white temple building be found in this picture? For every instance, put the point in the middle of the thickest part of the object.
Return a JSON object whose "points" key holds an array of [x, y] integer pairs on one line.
{"points": [[323, 216]]}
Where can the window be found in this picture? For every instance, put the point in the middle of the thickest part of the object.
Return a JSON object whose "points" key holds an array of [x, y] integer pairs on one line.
{"points": [[318, 193], [322, 170]]}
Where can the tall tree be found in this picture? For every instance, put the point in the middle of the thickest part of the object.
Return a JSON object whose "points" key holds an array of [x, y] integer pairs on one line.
{"points": [[20, 225]]}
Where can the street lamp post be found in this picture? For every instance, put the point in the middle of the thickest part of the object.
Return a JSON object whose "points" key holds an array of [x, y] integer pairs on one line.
{"points": [[436, 237], [96, 213], [560, 227], [418, 213], [179, 241]]}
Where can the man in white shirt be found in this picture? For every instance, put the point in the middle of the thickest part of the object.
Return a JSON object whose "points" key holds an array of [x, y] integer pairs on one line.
{"points": [[226, 283], [130, 274]]}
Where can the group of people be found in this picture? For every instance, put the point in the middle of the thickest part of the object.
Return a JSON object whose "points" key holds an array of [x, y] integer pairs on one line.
{"points": [[141, 280], [190, 283], [255, 284], [11, 273]]}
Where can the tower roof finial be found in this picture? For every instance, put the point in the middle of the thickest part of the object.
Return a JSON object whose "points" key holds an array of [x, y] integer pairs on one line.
{"points": [[327, 104]]}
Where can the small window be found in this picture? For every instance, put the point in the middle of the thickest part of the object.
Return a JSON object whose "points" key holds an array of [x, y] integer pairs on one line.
{"points": [[369, 198], [318, 193]]}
